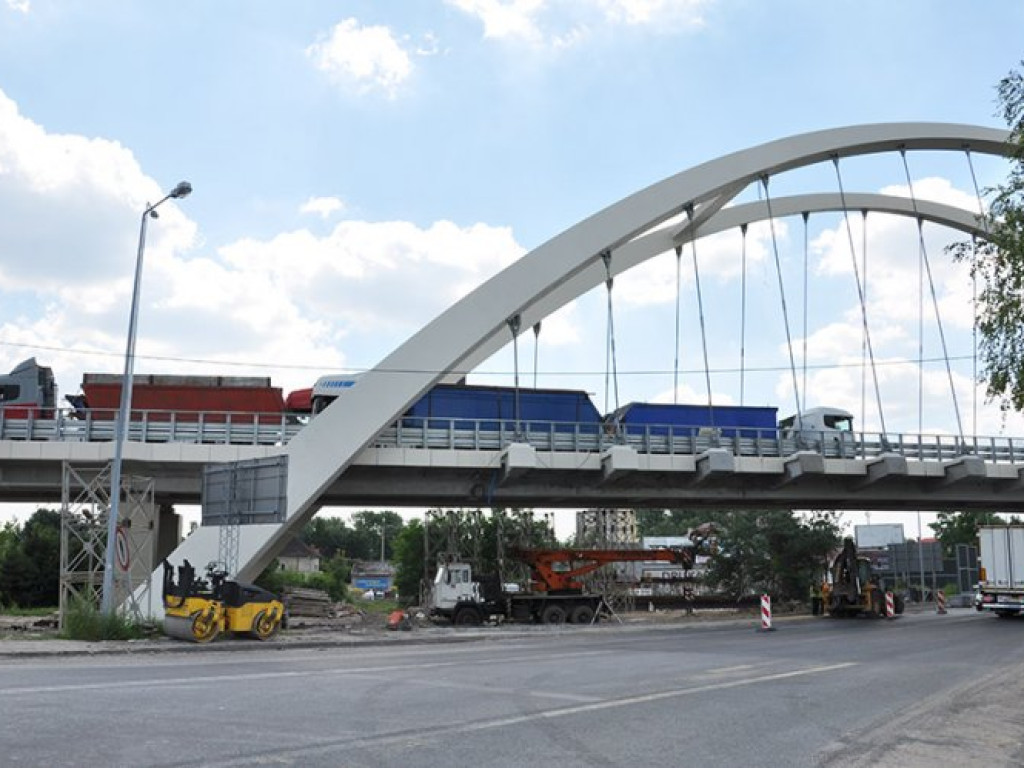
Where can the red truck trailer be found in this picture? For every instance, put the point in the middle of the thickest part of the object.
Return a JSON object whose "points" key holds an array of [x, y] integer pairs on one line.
{"points": [[160, 397]]}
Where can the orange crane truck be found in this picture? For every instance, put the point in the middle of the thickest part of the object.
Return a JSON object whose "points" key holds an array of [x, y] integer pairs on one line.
{"points": [[555, 595]]}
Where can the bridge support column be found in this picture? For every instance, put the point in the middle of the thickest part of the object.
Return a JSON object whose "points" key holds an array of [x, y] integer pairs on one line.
{"points": [[800, 464], [966, 468], [618, 461], [517, 460], [714, 463], [886, 465]]}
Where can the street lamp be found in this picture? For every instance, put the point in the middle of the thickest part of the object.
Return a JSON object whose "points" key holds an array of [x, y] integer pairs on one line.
{"points": [[183, 189]]}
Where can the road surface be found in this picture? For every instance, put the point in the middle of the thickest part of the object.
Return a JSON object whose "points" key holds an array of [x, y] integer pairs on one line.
{"points": [[915, 691]]}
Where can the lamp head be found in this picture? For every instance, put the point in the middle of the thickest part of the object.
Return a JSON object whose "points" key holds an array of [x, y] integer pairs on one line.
{"points": [[183, 189]]}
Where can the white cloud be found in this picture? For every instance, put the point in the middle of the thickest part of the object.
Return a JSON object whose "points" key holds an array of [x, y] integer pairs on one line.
{"points": [[322, 206], [21, 6], [294, 304], [364, 58], [719, 260], [512, 19], [564, 23], [659, 12]]}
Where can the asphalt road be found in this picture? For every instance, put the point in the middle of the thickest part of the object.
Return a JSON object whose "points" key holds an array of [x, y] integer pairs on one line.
{"points": [[916, 691]]}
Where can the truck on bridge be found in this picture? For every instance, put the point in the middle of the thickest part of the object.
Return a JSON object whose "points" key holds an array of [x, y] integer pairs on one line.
{"points": [[31, 390]]}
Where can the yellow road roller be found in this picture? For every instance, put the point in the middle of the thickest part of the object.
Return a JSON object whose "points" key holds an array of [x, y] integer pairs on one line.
{"points": [[199, 610]]}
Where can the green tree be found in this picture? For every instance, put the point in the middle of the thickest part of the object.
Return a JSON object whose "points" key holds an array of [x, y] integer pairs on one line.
{"points": [[329, 535], [771, 551], [952, 528], [367, 530], [410, 565], [998, 263], [30, 561]]}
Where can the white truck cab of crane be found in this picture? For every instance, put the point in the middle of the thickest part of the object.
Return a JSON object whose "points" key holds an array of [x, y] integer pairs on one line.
{"points": [[453, 585]]}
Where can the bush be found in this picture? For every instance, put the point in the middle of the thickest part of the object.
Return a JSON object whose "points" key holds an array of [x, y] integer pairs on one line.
{"points": [[84, 622]]}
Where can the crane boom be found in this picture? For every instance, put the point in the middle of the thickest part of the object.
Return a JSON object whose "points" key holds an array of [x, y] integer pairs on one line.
{"points": [[583, 561]]}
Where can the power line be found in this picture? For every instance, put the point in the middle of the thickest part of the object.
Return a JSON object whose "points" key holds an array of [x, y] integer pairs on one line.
{"points": [[363, 369]]}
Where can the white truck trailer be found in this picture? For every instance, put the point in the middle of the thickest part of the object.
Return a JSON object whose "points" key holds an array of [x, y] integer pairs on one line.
{"points": [[1001, 574]]}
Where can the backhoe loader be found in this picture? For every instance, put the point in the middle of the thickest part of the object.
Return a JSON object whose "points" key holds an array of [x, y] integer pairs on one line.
{"points": [[852, 589]]}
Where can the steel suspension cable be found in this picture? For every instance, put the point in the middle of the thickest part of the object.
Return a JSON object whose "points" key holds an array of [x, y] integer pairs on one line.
{"points": [[700, 310], [806, 215], [514, 323], [675, 369], [860, 296], [935, 300], [536, 348], [863, 338], [610, 362], [782, 297], [974, 290], [743, 311]]}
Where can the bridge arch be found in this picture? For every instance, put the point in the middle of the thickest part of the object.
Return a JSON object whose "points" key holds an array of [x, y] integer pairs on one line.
{"points": [[570, 264]]}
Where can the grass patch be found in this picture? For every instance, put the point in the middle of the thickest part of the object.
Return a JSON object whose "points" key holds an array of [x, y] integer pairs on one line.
{"points": [[84, 622], [377, 606], [13, 610]]}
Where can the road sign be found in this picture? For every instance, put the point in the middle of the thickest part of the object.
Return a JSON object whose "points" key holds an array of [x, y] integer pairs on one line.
{"points": [[121, 549]]}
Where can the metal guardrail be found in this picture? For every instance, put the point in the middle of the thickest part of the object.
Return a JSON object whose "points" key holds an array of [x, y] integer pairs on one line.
{"points": [[493, 435], [156, 427]]}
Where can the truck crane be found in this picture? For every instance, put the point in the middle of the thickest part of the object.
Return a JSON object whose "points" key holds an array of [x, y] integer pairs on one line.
{"points": [[556, 594]]}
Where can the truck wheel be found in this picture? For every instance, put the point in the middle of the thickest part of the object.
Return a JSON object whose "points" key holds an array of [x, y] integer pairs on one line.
{"points": [[581, 614], [552, 614], [467, 616]]}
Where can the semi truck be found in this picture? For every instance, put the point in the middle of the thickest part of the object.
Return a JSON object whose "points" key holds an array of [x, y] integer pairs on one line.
{"points": [[28, 391], [1001, 570], [555, 594], [31, 390], [724, 420]]}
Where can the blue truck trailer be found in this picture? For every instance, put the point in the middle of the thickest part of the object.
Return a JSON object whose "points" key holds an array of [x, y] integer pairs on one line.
{"points": [[748, 421], [491, 407]]}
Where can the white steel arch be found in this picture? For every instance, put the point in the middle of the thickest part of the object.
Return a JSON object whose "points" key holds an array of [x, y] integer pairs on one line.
{"points": [[558, 271]]}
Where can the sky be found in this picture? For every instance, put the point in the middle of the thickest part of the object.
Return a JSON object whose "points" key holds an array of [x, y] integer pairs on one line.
{"points": [[359, 166]]}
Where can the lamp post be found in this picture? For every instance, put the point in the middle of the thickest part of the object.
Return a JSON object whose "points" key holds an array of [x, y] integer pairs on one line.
{"points": [[183, 189]]}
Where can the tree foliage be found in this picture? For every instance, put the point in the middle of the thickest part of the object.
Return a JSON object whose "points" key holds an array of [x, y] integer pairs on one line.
{"points": [[360, 541], [952, 528], [998, 263], [409, 562], [30, 561]]}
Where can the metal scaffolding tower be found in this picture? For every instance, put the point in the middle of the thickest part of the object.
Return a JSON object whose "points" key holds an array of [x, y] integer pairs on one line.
{"points": [[85, 506]]}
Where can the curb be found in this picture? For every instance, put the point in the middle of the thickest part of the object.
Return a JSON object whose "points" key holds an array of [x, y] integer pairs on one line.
{"points": [[36, 648]]}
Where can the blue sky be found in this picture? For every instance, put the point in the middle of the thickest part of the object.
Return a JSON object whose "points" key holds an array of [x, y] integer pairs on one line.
{"points": [[358, 166]]}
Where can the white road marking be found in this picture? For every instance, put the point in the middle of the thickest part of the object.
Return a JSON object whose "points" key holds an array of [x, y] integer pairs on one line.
{"points": [[436, 734]]}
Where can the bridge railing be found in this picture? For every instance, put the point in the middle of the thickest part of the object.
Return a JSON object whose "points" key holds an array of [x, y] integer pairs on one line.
{"points": [[218, 428], [228, 428]]}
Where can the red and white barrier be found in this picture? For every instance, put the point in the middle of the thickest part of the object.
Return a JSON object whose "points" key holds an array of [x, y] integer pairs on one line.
{"points": [[940, 603], [890, 605], [766, 613]]}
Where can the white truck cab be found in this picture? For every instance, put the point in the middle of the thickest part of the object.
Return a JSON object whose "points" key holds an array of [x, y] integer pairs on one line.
{"points": [[329, 387], [453, 585], [824, 425]]}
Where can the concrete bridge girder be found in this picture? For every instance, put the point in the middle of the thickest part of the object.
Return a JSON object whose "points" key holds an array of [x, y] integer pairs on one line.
{"points": [[552, 275]]}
